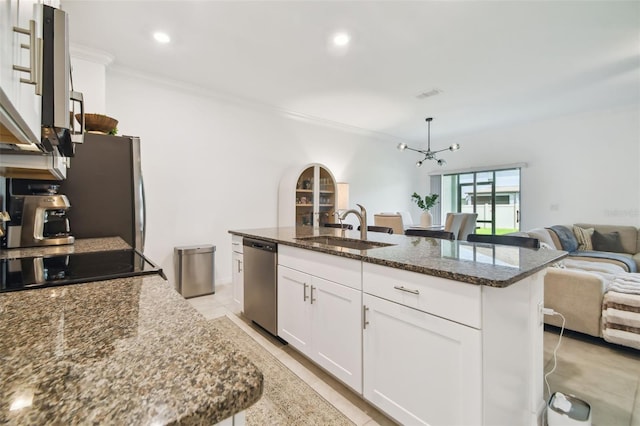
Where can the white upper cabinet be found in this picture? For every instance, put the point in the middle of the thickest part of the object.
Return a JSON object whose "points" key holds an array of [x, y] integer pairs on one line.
{"points": [[21, 105]]}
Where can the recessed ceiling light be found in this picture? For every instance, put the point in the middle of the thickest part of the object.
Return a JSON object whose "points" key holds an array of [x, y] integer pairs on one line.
{"points": [[161, 37], [341, 39]]}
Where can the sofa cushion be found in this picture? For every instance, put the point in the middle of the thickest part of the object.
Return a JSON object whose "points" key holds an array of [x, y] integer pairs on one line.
{"points": [[607, 242], [629, 235], [584, 237], [567, 238]]}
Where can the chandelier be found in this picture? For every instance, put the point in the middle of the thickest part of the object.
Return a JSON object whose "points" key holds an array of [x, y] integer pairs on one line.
{"points": [[428, 154]]}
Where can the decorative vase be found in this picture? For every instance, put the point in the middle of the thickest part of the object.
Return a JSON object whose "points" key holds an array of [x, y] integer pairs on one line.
{"points": [[425, 219]]}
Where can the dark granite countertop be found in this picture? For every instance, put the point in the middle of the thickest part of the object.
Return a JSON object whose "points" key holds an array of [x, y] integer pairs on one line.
{"points": [[125, 351], [475, 263]]}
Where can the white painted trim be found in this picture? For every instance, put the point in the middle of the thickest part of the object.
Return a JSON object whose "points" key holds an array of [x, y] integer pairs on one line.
{"points": [[92, 55], [251, 103], [479, 169]]}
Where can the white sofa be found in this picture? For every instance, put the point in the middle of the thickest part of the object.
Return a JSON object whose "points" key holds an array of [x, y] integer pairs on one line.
{"points": [[579, 287]]}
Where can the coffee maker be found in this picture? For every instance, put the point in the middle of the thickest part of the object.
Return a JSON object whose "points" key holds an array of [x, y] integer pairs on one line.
{"points": [[39, 219]]}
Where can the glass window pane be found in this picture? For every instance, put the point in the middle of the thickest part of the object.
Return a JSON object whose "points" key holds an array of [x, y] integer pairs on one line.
{"points": [[484, 176], [498, 205]]}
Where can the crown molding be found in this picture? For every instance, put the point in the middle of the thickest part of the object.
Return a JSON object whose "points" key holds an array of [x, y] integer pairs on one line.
{"points": [[479, 169], [100, 57], [219, 96]]}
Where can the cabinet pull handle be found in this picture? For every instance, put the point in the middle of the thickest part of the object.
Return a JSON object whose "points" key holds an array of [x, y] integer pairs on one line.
{"points": [[239, 265], [408, 290], [312, 299], [33, 48], [364, 317], [304, 292]]}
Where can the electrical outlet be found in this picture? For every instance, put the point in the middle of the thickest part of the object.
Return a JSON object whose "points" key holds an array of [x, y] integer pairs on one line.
{"points": [[540, 313]]}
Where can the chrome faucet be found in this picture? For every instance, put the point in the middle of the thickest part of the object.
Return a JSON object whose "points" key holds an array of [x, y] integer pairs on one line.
{"points": [[362, 217]]}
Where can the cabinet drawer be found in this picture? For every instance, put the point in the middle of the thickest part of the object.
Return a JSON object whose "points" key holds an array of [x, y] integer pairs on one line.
{"points": [[445, 298], [236, 243], [333, 268]]}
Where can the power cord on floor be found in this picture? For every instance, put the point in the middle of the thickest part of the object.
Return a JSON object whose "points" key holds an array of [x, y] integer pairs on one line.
{"points": [[547, 311]]}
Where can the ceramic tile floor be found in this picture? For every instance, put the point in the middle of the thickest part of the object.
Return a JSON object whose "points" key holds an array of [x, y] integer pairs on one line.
{"points": [[606, 376]]}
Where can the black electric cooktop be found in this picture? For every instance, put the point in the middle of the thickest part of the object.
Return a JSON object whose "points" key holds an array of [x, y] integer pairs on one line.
{"points": [[46, 271]]}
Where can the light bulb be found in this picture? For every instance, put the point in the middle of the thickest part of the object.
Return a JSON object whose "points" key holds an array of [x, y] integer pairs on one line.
{"points": [[161, 37], [454, 147], [442, 163], [402, 146], [341, 39], [418, 163]]}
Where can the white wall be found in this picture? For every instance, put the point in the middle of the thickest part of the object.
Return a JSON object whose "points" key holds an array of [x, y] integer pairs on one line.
{"points": [[89, 78], [211, 165], [581, 168]]}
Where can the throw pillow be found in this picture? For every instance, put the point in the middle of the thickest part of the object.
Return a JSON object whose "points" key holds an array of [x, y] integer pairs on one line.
{"points": [[584, 238], [567, 239], [607, 242]]}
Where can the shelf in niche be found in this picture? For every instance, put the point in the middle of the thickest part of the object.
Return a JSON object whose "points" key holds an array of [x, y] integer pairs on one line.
{"points": [[304, 205], [304, 190]]}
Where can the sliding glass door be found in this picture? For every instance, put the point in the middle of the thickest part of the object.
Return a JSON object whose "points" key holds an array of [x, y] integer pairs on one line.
{"points": [[494, 195]]}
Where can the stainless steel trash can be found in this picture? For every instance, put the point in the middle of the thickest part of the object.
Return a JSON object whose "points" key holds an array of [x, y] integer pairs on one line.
{"points": [[195, 270]]}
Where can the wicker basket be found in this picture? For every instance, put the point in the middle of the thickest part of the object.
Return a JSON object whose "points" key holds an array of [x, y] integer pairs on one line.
{"points": [[98, 122]]}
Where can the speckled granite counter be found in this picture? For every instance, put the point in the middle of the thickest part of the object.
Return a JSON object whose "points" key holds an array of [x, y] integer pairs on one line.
{"points": [[126, 351], [475, 263], [80, 246]]}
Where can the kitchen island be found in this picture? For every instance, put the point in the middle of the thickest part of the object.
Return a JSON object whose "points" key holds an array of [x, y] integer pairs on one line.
{"points": [[481, 264], [121, 351], [429, 331]]}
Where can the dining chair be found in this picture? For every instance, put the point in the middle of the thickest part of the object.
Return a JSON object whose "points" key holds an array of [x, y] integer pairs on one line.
{"points": [[339, 225], [461, 224], [508, 240], [393, 220], [433, 233], [383, 229]]}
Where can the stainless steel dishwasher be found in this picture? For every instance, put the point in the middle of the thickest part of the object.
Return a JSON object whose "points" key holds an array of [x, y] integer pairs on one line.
{"points": [[261, 283]]}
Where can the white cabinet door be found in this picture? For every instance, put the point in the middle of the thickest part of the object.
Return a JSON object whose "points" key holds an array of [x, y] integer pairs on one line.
{"points": [[294, 309], [28, 103], [9, 78], [238, 280], [337, 330], [21, 96], [419, 368]]}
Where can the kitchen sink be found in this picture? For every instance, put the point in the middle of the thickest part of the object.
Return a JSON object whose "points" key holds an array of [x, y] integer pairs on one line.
{"points": [[344, 242]]}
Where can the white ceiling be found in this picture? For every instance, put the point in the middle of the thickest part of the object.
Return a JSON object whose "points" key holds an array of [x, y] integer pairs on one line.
{"points": [[496, 62]]}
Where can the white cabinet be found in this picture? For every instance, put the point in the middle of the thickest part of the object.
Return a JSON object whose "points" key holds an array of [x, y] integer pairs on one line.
{"points": [[322, 320], [20, 98], [440, 352], [294, 308], [237, 272], [423, 349], [319, 317], [307, 197], [419, 368]]}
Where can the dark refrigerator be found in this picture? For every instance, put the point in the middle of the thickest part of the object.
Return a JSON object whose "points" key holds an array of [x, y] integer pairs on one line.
{"points": [[105, 189]]}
